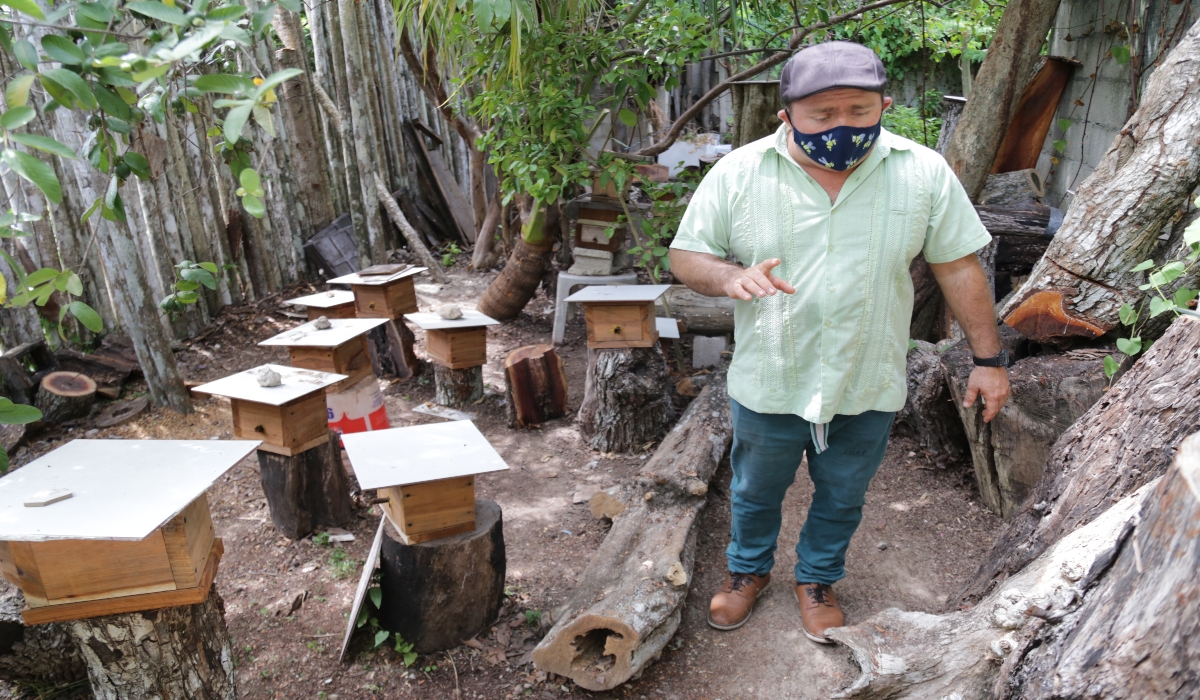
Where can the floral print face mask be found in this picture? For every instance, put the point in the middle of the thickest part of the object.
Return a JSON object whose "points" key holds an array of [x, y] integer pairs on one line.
{"points": [[839, 148]]}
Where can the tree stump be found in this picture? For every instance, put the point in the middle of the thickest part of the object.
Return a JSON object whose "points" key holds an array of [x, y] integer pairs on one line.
{"points": [[457, 387], [536, 386], [928, 418], [64, 396], [438, 593], [308, 490], [392, 354], [43, 654], [626, 399], [181, 653]]}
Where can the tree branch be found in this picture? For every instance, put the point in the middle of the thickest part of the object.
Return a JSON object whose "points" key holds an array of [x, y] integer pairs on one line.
{"points": [[431, 84]]}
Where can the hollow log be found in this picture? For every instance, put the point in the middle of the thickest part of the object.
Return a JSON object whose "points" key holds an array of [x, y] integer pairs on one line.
{"points": [[697, 313], [182, 653], [438, 593], [457, 387], [63, 396], [391, 347], [626, 398], [928, 418], [36, 654], [629, 600], [308, 490], [537, 386], [1119, 211], [1124, 440]]}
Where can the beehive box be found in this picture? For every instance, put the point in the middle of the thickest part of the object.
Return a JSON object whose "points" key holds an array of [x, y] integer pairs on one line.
{"points": [[337, 303], [620, 316], [340, 349], [455, 343], [387, 296]]}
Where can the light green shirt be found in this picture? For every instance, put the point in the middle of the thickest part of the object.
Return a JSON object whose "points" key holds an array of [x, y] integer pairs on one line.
{"points": [[838, 345]]}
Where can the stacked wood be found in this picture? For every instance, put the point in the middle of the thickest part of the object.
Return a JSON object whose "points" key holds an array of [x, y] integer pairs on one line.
{"points": [[626, 398], [1031, 219], [1119, 212], [457, 387], [21, 382], [36, 654], [1121, 443], [306, 491], [697, 313], [1013, 187], [629, 601], [109, 366], [64, 396], [182, 653], [438, 593], [536, 386], [928, 418], [437, 186]]}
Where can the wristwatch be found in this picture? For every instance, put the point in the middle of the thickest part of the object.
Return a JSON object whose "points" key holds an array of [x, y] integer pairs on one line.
{"points": [[1000, 360]]}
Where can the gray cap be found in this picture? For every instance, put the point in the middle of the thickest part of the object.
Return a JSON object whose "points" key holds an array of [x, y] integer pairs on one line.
{"points": [[833, 64]]}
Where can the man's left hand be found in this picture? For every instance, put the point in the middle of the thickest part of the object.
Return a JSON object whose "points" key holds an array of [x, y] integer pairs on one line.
{"points": [[992, 384]]}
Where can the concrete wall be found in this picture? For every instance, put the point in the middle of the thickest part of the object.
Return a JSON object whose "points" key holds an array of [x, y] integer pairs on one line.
{"points": [[1079, 33]]}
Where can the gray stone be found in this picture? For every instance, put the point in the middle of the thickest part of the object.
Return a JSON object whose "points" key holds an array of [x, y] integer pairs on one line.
{"points": [[706, 350], [591, 262]]}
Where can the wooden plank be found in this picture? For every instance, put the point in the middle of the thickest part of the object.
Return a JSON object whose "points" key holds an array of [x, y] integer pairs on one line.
{"points": [[19, 567], [437, 534], [340, 311], [307, 357], [130, 603], [189, 538], [460, 209], [81, 569], [619, 323]]}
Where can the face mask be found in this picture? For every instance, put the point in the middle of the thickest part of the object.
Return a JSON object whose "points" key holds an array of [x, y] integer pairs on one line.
{"points": [[839, 148]]}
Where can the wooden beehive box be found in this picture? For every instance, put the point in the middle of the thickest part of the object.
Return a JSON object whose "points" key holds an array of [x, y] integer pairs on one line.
{"points": [[134, 534], [389, 295], [289, 418], [339, 349], [620, 316], [427, 473], [337, 303], [457, 343]]}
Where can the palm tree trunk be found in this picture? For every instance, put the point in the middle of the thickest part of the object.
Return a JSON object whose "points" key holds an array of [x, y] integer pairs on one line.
{"points": [[518, 281]]}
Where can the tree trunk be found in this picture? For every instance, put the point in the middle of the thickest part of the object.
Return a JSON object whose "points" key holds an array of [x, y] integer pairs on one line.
{"points": [[629, 601], [536, 386], [64, 396], [1016, 187], [392, 354], [306, 491], [516, 284], [1031, 120], [697, 313], [626, 400], [410, 234], [755, 110], [997, 89], [1122, 442], [457, 387], [928, 418], [952, 109], [1119, 211], [36, 654], [485, 240], [182, 653], [439, 593]]}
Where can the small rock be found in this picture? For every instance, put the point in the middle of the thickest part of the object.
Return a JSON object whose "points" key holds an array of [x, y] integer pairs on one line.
{"points": [[449, 312], [268, 377], [585, 493], [322, 323], [91, 432], [649, 495], [882, 546], [337, 534]]}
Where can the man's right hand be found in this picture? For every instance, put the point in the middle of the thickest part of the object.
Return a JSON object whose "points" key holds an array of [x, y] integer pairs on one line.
{"points": [[757, 281]]}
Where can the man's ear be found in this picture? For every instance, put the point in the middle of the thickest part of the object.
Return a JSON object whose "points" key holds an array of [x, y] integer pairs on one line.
{"points": [[887, 102], [783, 116]]}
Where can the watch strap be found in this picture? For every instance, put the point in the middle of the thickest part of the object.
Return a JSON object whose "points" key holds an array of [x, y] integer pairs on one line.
{"points": [[1000, 360]]}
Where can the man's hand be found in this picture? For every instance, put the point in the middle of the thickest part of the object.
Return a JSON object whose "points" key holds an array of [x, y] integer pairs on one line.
{"points": [[992, 383], [757, 281]]}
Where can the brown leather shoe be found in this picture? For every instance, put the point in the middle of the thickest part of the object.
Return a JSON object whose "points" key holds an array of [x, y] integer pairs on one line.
{"points": [[732, 605], [819, 610]]}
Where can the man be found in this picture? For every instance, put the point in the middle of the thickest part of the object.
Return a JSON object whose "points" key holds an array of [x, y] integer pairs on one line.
{"points": [[824, 218]]}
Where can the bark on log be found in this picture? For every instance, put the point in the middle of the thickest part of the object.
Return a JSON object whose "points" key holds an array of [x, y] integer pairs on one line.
{"points": [[928, 418], [410, 234], [1030, 219], [1122, 442], [536, 386], [629, 600], [1013, 187], [41, 654], [64, 396], [997, 89], [182, 653], [438, 593], [517, 282], [1048, 394], [392, 354], [1119, 211], [952, 109], [308, 490], [457, 387], [697, 313], [626, 399], [755, 110]]}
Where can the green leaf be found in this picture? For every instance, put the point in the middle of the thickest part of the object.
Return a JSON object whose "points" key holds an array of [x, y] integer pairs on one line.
{"points": [[1120, 54], [1184, 296], [225, 84], [186, 286], [1064, 125], [1060, 145], [77, 86], [3, 461], [228, 12], [26, 55], [376, 595], [40, 174], [29, 7], [1172, 270], [291, 6], [1159, 305], [111, 102], [118, 125], [18, 414], [261, 19], [151, 73], [627, 117], [262, 117], [381, 637], [92, 209], [74, 284], [1129, 346], [196, 41], [199, 275], [60, 280], [138, 164], [235, 121], [275, 79], [39, 277], [254, 206], [250, 182], [87, 316], [1143, 265], [17, 117], [158, 11], [44, 143], [1127, 315], [1110, 366], [62, 49], [210, 266], [96, 12], [16, 93]]}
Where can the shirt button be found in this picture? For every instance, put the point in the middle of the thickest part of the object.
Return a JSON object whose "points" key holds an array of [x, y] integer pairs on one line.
{"points": [[829, 324], [833, 289], [824, 360], [830, 249]]}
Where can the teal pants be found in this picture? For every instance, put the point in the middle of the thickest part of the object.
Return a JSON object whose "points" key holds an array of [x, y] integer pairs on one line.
{"points": [[767, 450]]}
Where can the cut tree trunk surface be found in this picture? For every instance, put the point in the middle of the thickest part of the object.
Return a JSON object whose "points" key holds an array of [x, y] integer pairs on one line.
{"points": [[65, 396], [1022, 144], [1119, 211], [626, 399], [537, 386], [457, 387], [928, 418], [629, 600], [438, 593], [308, 490], [42, 654], [181, 653], [1124, 440]]}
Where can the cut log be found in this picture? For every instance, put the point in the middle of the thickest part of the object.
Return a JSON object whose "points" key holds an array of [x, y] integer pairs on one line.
{"points": [[21, 382], [1022, 144], [438, 593], [36, 654], [1125, 440], [536, 386], [1012, 188], [391, 348], [626, 399], [306, 491], [182, 653], [697, 313], [109, 372], [457, 387], [928, 418], [1031, 219], [1048, 394], [952, 109], [1119, 211], [118, 413], [64, 396], [629, 600]]}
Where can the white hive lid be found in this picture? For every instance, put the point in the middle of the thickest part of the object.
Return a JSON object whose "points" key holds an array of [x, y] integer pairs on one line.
{"points": [[615, 293], [294, 383], [340, 330], [400, 456], [434, 322]]}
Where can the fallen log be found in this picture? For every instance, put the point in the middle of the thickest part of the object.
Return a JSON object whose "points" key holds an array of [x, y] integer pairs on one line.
{"points": [[626, 398], [1119, 211], [928, 418], [1029, 219], [1123, 441], [697, 313], [536, 384], [629, 600]]}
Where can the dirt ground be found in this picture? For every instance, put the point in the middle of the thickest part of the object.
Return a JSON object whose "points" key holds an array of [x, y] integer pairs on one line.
{"points": [[923, 533]]}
